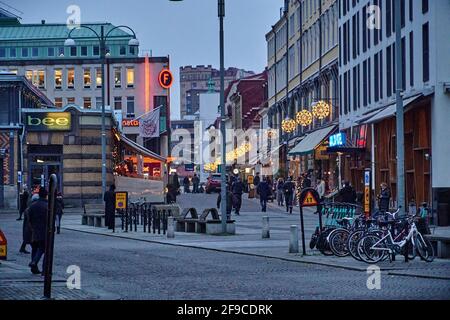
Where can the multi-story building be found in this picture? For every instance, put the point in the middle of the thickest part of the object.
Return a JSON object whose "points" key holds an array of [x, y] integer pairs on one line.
{"points": [[73, 76], [302, 49], [183, 146], [202, 79], [368, 91]]}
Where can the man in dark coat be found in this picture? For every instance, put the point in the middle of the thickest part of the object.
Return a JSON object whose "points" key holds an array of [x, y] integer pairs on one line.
{"points": [[306, 182], [110, 206], [264, 192], [348, 194], [38, 221], [172, 188], [59, 204], [256, 180], [195, 183], [384, 198], [186, 184], [289, 191], [237, 189], [24, 197]]}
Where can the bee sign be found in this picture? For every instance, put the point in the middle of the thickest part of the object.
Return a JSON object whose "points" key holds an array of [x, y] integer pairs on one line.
{"points": [[121, 200]]}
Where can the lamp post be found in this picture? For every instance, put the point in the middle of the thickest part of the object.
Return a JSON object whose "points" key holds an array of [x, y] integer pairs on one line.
{"points": [[400, 115], [223, 187], [102, 38]]}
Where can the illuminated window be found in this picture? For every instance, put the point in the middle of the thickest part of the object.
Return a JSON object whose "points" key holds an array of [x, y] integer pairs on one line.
{"points": [[87, 78], [118, 77], [58, 102], [13, 71], [58, 78], [70, 78], [41, 79], [130, 77], [36, 77], [87, 103], [98, 77]]}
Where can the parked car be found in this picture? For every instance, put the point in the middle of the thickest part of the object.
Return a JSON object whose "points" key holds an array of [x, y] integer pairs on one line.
{"points": [[213, 183]]}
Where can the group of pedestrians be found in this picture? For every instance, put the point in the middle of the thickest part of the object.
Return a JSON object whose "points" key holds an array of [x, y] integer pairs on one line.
{"points": [[195, 184], [34, 212]]}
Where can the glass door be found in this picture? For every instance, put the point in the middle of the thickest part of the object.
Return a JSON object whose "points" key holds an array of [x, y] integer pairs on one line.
{"points": [[41, 168]]}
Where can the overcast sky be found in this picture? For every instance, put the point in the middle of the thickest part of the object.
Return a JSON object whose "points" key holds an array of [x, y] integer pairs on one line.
{"points": [[187, 30]]}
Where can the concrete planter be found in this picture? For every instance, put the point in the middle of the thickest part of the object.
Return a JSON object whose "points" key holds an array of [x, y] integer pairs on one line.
{"points": [[215, 228]]}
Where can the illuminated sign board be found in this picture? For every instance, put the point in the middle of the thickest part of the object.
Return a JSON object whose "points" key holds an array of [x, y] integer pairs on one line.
{"points": [[121, 200], [130, 123], [337, 140], [165, 78], [49, 121]]}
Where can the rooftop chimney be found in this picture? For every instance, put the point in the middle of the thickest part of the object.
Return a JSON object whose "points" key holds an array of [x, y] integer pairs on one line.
{"points": [[42, 21]]}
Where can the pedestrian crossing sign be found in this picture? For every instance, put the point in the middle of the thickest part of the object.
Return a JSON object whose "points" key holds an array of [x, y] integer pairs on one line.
{"points": [[310, 200]]}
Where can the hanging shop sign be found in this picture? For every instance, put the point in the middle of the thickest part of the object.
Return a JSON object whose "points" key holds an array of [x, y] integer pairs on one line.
{"points": [[360, 136], [165, 78], [130, 123], [367, 192], [338, 140], [49, 121]]}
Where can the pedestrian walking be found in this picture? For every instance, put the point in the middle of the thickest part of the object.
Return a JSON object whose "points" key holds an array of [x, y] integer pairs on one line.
{"points": [[321, 188], [23, 203], [280, 192], [348, 194], [229, 201], [37, 215], [263, 190], [110, 206], [186, 184], [59, 205], [384, 198], [173, 188], [195, 183], [289, 190], [237, 189], [257, 179]]}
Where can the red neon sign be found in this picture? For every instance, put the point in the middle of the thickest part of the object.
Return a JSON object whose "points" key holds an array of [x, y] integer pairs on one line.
{"points": [[165, 78], [130, 123]]}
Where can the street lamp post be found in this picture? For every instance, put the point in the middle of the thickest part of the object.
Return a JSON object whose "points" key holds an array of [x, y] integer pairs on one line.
{"points": [[223, 187], [102, 38]]}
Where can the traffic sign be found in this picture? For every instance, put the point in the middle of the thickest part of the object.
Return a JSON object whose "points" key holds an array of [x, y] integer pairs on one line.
{"points": [[165, 78], [121, 200], [310, 200]]}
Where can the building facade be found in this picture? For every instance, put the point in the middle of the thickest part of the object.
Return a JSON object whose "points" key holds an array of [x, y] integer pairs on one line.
{"points": [[202, 79], [15, 93], [73, 76], [368, 91], [303, 87]]}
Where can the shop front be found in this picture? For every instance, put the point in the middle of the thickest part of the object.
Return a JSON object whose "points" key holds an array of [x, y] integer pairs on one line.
{"points": [[67, 142], [310, 156]]}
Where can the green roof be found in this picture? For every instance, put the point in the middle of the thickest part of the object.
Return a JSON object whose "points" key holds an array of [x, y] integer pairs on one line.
{"points": [[55, 31]]}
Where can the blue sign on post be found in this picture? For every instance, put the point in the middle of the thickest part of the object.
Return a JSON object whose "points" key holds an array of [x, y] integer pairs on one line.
{"points": [[338, 140], [189, 168]]}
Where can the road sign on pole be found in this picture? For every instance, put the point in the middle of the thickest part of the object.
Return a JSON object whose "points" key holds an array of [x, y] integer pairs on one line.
{"points": [[309, 198]]}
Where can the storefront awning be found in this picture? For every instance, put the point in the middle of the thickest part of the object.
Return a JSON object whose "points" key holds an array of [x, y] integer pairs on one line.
{"points": [[389, 111], [141, 150], [311, 141]]}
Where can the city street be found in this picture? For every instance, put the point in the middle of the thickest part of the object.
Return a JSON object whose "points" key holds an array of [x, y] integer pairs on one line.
{"points": [[129, 269]]}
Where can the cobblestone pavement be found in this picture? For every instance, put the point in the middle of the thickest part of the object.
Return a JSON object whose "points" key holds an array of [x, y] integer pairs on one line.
{"points": [[131, 269]]}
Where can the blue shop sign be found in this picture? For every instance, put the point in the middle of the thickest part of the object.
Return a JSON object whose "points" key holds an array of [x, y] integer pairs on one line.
{"points": [[337, 140]]}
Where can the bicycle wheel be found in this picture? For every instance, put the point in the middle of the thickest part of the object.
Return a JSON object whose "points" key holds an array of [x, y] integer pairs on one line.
{"points": [[352, 243], [366, 251], [424, 248], [338, 240]]}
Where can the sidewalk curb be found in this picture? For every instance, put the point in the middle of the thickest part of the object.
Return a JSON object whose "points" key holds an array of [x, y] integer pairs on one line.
{"points": [[331, 265], [416, 275]]}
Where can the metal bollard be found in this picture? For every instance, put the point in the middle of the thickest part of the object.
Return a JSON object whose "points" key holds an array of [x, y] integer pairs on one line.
{"points": [[265, 228], [293, 241], [170, 228]]}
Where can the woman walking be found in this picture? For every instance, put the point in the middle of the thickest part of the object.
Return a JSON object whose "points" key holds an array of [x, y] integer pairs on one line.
{"points": [[59, 211]]}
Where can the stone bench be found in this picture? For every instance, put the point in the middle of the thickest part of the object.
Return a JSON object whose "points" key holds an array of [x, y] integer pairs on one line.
{"points": [[185, 224], [93, 216], [442, 243]]}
